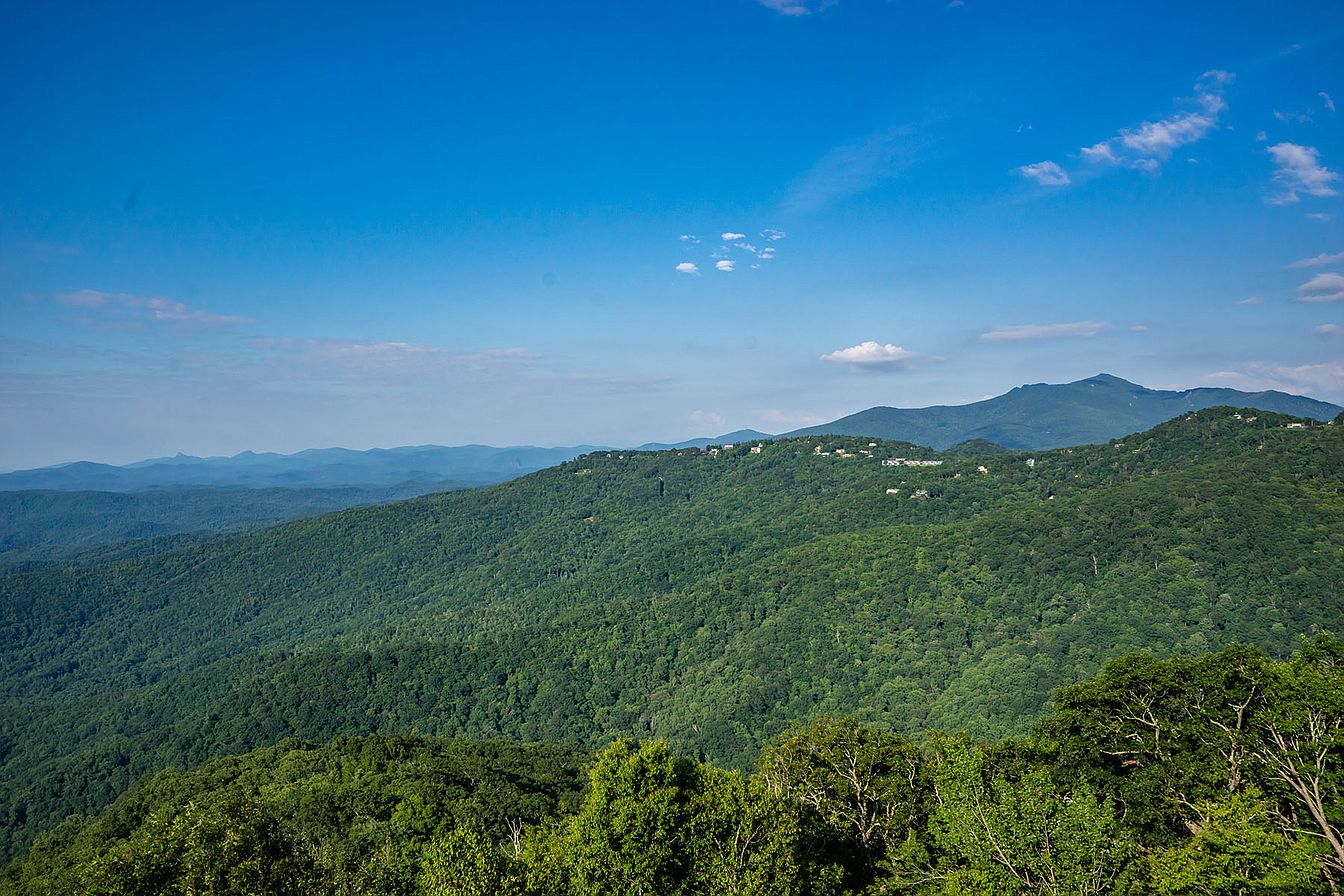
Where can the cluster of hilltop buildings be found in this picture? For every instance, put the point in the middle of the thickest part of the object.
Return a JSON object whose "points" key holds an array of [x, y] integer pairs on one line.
{"points": [[823, 451]]}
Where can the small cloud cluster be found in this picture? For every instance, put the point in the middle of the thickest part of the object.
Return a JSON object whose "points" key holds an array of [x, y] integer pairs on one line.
{"points": [[121, 308], [1147, 146], [1038, 332], [1298, 169], [733, 242], [1150, 144], [1321, 288], [871, 356], [1330, 330]]}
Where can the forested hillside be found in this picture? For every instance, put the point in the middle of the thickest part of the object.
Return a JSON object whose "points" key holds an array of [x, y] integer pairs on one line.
{"points": [[52, 528], [1211, 774], [705, 598]]}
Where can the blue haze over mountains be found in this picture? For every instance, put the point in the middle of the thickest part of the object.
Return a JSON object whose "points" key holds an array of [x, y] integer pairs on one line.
{"points": [[1030, 417]]}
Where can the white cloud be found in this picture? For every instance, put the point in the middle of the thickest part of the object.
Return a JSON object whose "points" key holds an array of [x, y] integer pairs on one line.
{"points": [[1099, 152], [1323, 380], [724, 265], [746, 247], [1139, 328], [728, 236], [1320, 216], [1326, 287], [1252, 300], [1318, 260], [706, 418], [687, 267], [1150, 144], [871, 356], [797, 7], [767, 253], [131, 309], [1036, 332], [690, 238], [1046, 173], [1330, 330], [1261, 136], [1299, 170], [772, 234], [1326, 100]]}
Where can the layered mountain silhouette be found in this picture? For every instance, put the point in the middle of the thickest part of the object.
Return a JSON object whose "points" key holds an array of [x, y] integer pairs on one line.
{"points": [[1032, 417], [1040, 416]]}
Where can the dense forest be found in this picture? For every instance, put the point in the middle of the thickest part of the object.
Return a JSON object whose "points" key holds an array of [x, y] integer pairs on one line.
{"points": [[42, 529], [1212, 774], [701, 598]]}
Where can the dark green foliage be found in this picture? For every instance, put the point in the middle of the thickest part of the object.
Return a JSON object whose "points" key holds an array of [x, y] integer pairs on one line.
{"points": [[58, 529], [356, 813], [836, 808], [579, 604]]}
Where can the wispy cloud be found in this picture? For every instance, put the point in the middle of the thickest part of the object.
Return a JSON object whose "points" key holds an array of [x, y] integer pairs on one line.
{"points": [[1327, 101], [846, 171], [1329, 330], [1317, 261], [728, 236], [119, 308], [1037, 332], [1326, 287], [688, 267], [357, 361], [724, 265], [1299, 170], [706, 418], [1293, 117], [871, 356], [1252, 300], [1046, 173], [778, 419], [1325, 379], [1150, 144], [1320, 216], [797, 7], [771, 234]]}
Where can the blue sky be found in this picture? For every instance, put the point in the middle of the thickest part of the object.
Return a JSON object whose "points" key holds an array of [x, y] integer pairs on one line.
{"points": [[272, 227]]}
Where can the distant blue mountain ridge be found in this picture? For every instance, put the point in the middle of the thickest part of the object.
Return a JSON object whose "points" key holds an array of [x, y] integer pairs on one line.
{"points": [[1030, 417]]}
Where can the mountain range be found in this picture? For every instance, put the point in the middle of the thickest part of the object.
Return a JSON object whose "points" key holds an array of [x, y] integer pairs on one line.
{"points": [[1031, 417], [1042, 415], [704, 598]]}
